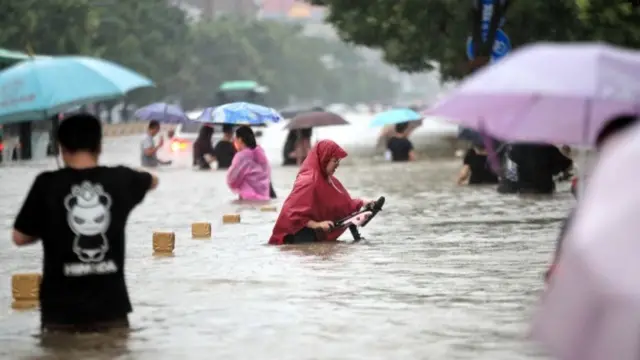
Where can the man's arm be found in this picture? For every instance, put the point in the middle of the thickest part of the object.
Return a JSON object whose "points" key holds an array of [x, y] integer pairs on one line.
{"points": [[21, 239], [412, 151], [149, 149], [154, 182], [27, 227]]}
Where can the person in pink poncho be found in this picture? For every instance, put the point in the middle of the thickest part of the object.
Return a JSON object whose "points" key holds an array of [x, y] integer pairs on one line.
{"points": [[249, 174]]}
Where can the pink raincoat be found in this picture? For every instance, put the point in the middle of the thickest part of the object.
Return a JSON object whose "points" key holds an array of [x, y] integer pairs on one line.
{"points": [[250, 174]]}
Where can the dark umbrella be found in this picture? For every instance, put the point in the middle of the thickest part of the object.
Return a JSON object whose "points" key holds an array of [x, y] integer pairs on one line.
{"points": [[162, 112], [291, 112], [316, 119]]}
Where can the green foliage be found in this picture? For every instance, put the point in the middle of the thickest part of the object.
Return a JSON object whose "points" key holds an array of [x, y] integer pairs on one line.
{"points": [[190, 60], [614, 21], [416, 34], [52, 27]]}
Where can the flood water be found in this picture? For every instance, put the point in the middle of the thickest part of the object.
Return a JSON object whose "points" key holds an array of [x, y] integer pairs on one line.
{"points": [[446, 273]]}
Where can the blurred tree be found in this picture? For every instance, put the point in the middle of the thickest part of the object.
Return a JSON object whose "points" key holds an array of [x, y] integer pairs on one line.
{"points": [[52, 27], [190, 61], [415, 35], [218, 51], [149, 36], [614, 21], [279, 56]]}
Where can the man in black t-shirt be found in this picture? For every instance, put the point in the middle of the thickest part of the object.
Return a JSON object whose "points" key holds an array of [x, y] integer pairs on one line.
{"points": [[225, 150], [80, 213], [399, 147]]}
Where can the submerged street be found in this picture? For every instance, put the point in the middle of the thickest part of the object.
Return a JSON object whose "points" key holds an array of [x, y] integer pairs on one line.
{"points": [[447, 272]]}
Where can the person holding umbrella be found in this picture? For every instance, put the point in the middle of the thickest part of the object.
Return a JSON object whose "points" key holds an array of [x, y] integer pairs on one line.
{"points": [[203, 152], [288, 151], [225, 150], [300, 128], [589, 310], [303, 145], [400, 148], [249, 175], [149, 157], [475, 167], [610, 131]]}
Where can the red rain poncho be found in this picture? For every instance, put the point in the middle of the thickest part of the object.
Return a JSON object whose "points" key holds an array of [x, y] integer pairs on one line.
{"points": [[315, 196]]}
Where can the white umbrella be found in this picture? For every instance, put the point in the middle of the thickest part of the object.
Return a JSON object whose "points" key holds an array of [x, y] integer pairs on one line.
{"points": [[591, 309]]}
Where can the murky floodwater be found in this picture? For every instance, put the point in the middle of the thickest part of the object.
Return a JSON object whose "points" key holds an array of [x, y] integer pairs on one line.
{"points": [[448, 273]]}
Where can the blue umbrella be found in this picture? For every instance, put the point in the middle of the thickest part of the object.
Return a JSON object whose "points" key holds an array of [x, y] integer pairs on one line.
{"points": [[239, 113], [162, 112], [40, 88], [395, 116]]}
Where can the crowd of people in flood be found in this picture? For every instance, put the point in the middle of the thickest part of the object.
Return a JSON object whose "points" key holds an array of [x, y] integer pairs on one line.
{"points": [[79, 212], [516, 168]]}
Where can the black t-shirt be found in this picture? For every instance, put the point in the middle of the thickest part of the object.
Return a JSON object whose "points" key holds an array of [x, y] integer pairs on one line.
{"points": [[537, 164], [80, 216], [400, 148], [225, 151], [481, 172]]}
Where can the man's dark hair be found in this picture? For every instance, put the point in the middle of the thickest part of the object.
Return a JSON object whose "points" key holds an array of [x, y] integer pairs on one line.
{"points": [[402, 127], [615, 126], [80, 132], [227, 129], [154, 124]]}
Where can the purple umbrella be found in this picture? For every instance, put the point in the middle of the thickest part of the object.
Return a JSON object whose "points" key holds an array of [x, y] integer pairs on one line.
{"points": [[549, 93], [162, 112], [591, 309]]}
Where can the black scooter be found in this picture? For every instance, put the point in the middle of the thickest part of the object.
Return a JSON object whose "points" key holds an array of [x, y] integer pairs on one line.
{"points": [[360, 218]]}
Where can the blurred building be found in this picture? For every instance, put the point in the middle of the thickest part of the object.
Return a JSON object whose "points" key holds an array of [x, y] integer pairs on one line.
{"points": [[295, 10]]}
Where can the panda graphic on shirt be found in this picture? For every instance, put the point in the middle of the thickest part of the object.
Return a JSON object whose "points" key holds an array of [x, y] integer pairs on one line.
{"points": [[89, 216]]}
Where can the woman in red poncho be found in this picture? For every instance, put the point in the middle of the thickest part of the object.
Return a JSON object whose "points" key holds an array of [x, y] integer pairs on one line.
{"points": [[317, 199]]}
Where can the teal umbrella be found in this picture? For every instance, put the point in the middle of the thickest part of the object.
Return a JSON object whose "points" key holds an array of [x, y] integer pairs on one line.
{"points": [[395, 116], [10, 57], [40, 88]]}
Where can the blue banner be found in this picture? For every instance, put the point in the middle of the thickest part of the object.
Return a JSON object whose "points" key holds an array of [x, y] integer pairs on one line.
{"points": [[501, 46]]}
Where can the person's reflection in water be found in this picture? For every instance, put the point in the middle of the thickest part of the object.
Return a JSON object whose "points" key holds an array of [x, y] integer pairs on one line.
{"points": [[288, 151], [317, 199], [225, 149], [399, 147], [249, 174], [203, 152], [476, 169]]}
